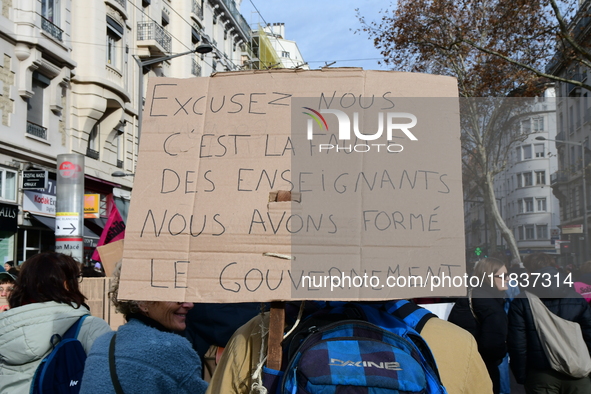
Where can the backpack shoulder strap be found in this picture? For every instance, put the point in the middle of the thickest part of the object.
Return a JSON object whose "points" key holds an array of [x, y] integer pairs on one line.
{"points": [[74, 330], [112, 368], [409, 312]]}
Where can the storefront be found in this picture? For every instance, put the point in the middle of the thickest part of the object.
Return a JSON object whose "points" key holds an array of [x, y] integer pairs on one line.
{"points": [[8, 230], [37, 232]]}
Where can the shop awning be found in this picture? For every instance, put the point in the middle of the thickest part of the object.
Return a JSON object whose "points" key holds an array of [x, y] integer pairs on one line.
{"points": [[49, 222]]}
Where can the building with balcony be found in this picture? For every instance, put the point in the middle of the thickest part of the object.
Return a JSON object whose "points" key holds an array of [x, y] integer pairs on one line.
{"points": [[273, 50], [574, 127], [70, 73], [522, 188], [36, 70], [523, 191]]}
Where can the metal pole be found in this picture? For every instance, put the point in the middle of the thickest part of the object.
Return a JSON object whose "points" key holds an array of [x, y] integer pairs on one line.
{"points": [[141, 64], [69, 219], [585, 225], [140, 100]]}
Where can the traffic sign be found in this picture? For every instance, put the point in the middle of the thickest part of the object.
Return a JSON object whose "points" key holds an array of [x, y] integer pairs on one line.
{"points": [[66, 223]]}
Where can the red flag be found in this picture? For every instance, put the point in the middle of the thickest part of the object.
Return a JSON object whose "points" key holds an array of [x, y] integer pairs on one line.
{"points": [[114, 231]]}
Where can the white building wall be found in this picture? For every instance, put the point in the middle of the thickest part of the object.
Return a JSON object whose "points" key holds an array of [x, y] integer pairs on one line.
{"points": [[93, 86], [534, 226], [287, 50]]}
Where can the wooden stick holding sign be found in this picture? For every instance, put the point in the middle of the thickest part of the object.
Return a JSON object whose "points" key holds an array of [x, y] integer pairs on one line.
{"points": [[276, 328], [277, 317]]}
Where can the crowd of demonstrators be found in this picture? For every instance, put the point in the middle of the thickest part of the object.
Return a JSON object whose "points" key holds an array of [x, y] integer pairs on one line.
{"points": [[147, 354], [482, 314], [46, 300], [455, 351], [528, 360], [161, 346]]}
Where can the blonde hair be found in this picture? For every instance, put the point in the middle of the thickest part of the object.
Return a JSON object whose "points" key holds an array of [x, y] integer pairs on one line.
{"points": [[486, 267]]}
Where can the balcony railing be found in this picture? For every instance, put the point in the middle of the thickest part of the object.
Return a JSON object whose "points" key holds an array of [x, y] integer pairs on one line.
{"points": [[558, 177], [560, 136], [197, 10], [242, 24], [123, 3], [93, 154], [153, 31], [196, 69], [36, 130], [52, 29]]}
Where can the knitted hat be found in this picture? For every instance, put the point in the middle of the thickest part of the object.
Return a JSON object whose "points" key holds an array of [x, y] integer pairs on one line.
{"points": [[7, 276]]}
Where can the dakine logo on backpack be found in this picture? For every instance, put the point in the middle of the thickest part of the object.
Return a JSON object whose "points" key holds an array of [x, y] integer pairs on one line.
{"points": [[393, 366], [60, 372]]}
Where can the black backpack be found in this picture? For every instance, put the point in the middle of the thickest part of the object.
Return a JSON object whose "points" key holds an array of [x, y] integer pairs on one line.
{"points": [[61, 370]]}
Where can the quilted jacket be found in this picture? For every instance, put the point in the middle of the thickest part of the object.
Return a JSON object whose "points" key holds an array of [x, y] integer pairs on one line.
{"points": [[25, 334]]}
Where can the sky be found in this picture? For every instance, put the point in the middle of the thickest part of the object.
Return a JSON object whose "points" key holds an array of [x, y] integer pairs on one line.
{"points": [[322, 29]]}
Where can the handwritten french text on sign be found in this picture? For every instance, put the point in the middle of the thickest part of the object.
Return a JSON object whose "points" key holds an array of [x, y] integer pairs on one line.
{"points": [[369, 163]]}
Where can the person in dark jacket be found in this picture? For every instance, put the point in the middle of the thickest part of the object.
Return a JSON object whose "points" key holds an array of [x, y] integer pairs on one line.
{"points": [[528, 361], [482, 315], [211, 324]]}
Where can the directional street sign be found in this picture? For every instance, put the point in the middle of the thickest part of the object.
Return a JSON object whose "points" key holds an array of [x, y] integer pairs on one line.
{"points": [[66, 223]]}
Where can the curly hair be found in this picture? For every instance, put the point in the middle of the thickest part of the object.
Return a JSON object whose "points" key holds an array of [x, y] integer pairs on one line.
{"points": [[124, 307], [48, 276]]}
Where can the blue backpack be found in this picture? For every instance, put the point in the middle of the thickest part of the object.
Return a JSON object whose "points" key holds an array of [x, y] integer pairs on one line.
{"points": [[359, 347], [61, 370]]}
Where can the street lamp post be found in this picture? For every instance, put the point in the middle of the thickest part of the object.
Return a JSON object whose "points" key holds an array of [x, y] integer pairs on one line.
{"points": [[201, 48], [120, 174], [585, 225]]}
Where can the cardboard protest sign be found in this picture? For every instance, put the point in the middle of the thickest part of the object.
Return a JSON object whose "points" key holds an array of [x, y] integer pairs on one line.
{"points": [[110, 255], [259, 186]]}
